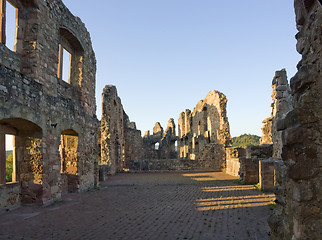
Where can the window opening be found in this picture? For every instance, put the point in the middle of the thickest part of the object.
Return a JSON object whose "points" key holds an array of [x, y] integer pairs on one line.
{"points": [[70, 58], [11, 26], [199, 128], [156, 146], [69, 160], [9, 158], [7, 161], [64, 64], [9, 23]]}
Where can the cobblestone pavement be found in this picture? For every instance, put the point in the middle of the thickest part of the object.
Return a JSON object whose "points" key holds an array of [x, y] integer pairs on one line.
{"points": [[149, 206]]}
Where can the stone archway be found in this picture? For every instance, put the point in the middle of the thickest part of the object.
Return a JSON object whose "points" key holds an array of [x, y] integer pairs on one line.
{"points": [[28, 164]]}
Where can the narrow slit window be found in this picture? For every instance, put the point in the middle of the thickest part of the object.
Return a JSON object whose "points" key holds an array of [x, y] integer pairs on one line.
{"points": [[11, 26], [64, 64], [9, 158]]}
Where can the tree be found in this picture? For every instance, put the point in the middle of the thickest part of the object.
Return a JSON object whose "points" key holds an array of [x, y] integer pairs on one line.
{"points": [[245, 140]]}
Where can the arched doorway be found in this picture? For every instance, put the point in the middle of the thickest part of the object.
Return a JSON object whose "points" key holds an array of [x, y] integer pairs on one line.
{"points": [[27, 159]]}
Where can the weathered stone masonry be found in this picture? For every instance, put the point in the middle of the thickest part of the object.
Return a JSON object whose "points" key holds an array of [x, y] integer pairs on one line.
{"points": [[204, 133], [121, 142], [161, 144], [255, 164], [298, 214], [53, 121]]}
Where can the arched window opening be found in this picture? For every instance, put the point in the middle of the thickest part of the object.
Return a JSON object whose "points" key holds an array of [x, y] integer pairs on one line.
{"points": [[69, 160], [156, 146], [22, 139]]}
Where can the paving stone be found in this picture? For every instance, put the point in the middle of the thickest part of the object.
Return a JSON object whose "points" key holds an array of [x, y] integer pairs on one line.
{"points": [[206, 205]]}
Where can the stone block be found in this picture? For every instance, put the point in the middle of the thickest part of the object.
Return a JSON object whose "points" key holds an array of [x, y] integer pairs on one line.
{"points": [[267, 175], [249, 170]]}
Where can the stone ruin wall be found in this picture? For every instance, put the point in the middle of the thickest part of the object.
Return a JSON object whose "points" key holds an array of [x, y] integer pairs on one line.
{"points": [[255, 164], [123, 148], [40, 109], [204, 133], [120, 141], [112, 131], [298, 213], [161, 144], [133, 143], [281, 105]]}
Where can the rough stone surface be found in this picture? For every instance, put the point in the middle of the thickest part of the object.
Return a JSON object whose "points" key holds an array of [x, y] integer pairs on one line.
{"points": [[121, 142], [298, 214], [41, 107], [248, 158], [267, 131], [233, 155], [249, 170], [266, 175], [160, 145], [281, 105], [133, 142], [204, 133]]}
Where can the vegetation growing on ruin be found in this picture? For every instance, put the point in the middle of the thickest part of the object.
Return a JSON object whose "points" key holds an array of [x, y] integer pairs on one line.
{"points": [[245, 140]]}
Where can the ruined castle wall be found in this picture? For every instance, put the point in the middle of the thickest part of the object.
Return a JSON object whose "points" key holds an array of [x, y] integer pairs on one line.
{"points": [[40, 106], [266, 131], [204, 133], [112, 130], [167, 142], [133, 142], [298, 213], [120, 140], [282, 104], [151, 143], [161, 144]]}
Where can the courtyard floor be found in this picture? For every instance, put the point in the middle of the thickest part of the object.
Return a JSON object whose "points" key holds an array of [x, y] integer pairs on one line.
{"points": [[149, 206]]}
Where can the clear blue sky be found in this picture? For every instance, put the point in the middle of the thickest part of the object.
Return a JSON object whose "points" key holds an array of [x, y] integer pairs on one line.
{"points": [[166, 55]]}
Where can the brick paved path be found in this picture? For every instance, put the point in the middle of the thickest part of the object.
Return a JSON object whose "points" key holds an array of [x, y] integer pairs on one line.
{"points": [[148, 206]]}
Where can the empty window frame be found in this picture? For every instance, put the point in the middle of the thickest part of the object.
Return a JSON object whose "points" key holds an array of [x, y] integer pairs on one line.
{"points": [[7, 159], [64, 64], [9, 24], [70, 58], [156, 146]]}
